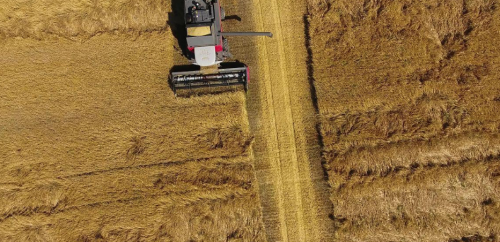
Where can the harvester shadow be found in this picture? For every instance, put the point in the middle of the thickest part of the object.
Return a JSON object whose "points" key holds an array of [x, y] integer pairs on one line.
{"points": [[233, 17], [178, 28], [176, 23]]}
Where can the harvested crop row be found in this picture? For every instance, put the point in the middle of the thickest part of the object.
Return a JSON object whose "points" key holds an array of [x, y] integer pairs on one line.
{"points": [[433, 204], [381, 160], [60, 194], [179, 217]]}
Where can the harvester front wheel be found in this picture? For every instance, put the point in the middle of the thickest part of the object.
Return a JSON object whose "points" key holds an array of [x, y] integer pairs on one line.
{"points": [[222, 13], [225, 48]]}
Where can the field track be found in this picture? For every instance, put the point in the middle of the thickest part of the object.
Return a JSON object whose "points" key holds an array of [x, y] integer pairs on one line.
{"points": [[293, 190]]}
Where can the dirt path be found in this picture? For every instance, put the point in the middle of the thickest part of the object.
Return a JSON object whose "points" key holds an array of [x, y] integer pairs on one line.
{"points": [[287, 153]]}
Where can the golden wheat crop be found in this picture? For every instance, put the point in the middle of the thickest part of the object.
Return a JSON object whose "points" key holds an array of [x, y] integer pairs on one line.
{"points": [[408, 95], [93, 144], [81, 19], [431, 204]]}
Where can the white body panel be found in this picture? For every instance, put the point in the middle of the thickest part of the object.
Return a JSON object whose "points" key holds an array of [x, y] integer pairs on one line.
{"points": [[205, 56]]}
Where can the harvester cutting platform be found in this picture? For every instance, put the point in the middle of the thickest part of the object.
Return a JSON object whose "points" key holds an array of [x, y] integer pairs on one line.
{"points": [[208, 47]]}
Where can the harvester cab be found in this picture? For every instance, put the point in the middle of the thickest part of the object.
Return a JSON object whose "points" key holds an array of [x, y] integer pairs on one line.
{"points": [[208, 49]]}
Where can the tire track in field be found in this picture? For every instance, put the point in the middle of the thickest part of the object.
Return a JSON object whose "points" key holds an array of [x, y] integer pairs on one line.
{"points": [[293, 189], [225, 159]]}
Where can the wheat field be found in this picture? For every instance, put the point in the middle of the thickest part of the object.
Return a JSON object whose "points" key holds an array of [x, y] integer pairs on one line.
{"points": [[80, 20], [408, 104], [95, 147], [98, 149], [365, 120]]}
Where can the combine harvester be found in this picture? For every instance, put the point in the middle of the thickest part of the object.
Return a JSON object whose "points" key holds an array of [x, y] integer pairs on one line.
{"points": [[208, 49]]}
